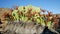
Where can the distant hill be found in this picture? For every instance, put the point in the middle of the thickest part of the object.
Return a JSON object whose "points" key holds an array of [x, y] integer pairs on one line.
{"points": [[2, 10], [58, 15]]}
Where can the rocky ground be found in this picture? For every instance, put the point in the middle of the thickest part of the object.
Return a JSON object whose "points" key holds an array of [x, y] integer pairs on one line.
{"points": [[22, 28]]}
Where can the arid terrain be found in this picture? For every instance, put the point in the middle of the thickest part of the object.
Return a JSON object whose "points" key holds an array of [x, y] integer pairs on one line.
{"points": [[16, 28]]}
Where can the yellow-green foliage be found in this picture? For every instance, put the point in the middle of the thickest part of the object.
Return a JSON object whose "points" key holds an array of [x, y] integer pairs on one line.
{"points": [[25, 18]]}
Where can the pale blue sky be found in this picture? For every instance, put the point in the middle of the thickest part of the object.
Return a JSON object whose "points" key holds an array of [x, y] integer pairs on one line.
{"points": [[50, 5]]}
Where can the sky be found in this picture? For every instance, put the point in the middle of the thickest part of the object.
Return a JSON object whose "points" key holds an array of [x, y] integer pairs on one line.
{"points": [[50, 5]]}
